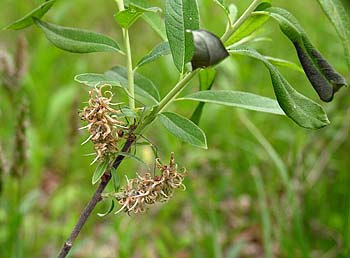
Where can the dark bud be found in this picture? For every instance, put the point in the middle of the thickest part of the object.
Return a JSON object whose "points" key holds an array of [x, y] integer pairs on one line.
{"points": [[208, 49], [120, 133]]}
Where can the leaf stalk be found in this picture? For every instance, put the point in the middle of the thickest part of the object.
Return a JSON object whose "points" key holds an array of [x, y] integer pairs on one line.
{"points": [[247, 13]]}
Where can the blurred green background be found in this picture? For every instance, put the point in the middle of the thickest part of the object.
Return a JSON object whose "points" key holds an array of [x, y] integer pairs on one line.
{"points": [[264, 188]]}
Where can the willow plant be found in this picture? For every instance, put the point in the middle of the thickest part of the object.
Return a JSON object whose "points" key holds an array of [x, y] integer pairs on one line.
{"points": [[115, 127]]}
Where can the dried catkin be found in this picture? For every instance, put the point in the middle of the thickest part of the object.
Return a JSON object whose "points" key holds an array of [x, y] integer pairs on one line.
{"points": [[146, 190], [102, 121]]}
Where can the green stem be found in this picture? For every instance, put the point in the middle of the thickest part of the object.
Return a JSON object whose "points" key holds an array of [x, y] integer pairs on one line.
{"points": [[130, 70], [167, 100], [241, 20], [176, 90], [131, 87]]}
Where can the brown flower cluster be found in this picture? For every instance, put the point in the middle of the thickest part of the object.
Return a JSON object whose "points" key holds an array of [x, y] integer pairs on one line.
{"points": [[102, 122], [147, 190]]}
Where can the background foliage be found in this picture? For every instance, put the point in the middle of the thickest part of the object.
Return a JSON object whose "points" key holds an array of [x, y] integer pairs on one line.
{"points": [[237, 201]]}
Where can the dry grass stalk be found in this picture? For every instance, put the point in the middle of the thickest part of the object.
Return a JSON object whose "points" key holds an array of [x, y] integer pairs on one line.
{"points": [[12, 71], [19, 160]]}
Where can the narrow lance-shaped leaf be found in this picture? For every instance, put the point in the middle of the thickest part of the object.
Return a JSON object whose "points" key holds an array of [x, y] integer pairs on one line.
{"points": [[180, 17], [27, 20], [238, 99], [117, 76], [252, 24], [156, 23], [183, 128], [109, 210], [96, 79], [129, 16], [160, 50], [115, 179], [284, 63], [230, 11], [305, 112], [222, 6], [134, 157], [125, 111], [264, 5], [323, 77], [208, 49], [100, 170], [77, 40], [144, 87], [339, 17], [153, 19]]}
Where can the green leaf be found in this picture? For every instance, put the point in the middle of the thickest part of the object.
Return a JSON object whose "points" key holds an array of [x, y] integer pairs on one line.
{"points": [[110, 209], [222, 6], [77, 40], [184, 129], [284, 63], [96, 79], [251, 25], [126, 112], [118, 76], [339, 17], [134, 157], [99, 171], [323, 77], [208, 49], [27, 20], [305, 112], [156, 23], [237, 99], [264, 5], [221, 2], [153, 19], [160, 50], [206, 81], [207, 78], [143, 86], [115, 179], [181, 16], [231, 11], [127, 17]]}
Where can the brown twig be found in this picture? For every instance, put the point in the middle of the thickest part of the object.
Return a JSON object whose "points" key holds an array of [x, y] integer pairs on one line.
{"points": [[94, 200]]}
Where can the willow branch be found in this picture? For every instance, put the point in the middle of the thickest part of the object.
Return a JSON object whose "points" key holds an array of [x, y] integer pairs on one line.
{"points": [[94, 200]]}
